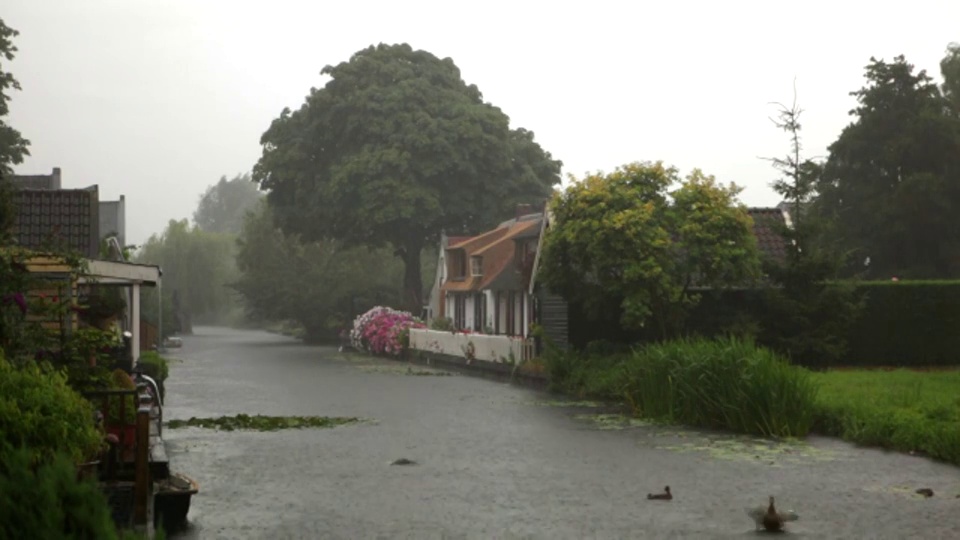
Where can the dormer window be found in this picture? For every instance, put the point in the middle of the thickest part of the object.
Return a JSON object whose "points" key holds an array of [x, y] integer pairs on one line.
{"points": [[476, 266]]}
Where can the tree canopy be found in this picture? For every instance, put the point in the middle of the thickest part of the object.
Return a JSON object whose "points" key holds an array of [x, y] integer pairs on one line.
{"points": [[13, 147], [395, 148], [222, 206], [197, 268], [950, 70], [892, 182], [320, 285], [641, 237]]}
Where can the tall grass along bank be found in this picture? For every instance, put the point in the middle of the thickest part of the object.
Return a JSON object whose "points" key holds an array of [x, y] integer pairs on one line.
{"points": [[727, 384]]}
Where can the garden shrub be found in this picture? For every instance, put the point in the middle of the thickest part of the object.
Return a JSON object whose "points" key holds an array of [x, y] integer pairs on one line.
{"points": [[443, 324], [156, 367], [48, 500], [121, 380], [907, 323], [39, 411], [383, 330]]}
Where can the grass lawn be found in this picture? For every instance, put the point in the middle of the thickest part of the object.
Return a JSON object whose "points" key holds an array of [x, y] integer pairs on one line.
{"points": [[897, 409]]}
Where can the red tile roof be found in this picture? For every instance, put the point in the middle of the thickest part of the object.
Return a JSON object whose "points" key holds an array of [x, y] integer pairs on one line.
{"points": [[766, 224], [497, 249]]}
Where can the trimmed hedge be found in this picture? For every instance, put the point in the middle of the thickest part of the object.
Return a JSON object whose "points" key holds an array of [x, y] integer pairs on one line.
{"points": [[903, 323], [907, 323]]}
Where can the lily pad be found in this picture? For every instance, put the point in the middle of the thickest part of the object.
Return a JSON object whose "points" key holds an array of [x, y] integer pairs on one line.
{"points": [[770, 452], [405, 370], [562, 403], [264, 423], [614, 421]]}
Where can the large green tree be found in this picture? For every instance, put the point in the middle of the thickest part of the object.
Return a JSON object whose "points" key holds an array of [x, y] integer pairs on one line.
{"points": [[13, 147], [891, 185], [223, 205], [643, 238], [393, 149]]}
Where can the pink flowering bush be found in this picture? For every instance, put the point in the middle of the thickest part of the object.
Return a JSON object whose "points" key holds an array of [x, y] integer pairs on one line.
{"points": [[383, 330]]}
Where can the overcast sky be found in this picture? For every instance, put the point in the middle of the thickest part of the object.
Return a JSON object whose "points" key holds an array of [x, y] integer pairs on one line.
{"points": [[156, 99]]}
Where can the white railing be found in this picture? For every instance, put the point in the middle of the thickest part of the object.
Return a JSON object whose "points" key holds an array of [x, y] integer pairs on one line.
{"points": [[471, 346]]}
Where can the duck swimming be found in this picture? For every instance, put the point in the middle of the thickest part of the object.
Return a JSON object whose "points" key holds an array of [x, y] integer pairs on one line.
{"points": [[665, 496], [769, 518]]}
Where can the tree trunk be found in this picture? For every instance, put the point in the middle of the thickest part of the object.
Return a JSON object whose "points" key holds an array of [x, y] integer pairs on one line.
{"points": [[412, 280]]}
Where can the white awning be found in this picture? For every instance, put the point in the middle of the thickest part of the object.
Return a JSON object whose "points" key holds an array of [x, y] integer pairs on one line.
{"points": [[120, 273]]}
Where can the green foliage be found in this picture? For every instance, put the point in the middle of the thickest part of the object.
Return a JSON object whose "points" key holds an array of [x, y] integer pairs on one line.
{"points": [[626, 237], [48, 501], [224, 206], [725, 384], [321, 285], [39, 411], [950, 70], [122, 410], [395, 148], [897, 323], [197, 268], [444, 324], [892, 180], [901, 410], [263, 423], [13, 147]]}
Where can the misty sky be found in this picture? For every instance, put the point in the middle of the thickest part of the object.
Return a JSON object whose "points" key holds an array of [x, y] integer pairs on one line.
{"points": [[158, 99]]}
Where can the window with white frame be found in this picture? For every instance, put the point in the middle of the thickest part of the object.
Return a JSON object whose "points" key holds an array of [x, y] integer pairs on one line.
{"points": [[476, 266]]}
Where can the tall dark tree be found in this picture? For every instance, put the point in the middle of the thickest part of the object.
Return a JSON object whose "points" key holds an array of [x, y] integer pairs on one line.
{"points": [[223, 205], [198, 266], [807, 316], [891, 184], [950, 70], [393, 149]]}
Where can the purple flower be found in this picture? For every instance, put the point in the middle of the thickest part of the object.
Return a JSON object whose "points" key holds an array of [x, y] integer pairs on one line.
{"points": [[18, 299]]}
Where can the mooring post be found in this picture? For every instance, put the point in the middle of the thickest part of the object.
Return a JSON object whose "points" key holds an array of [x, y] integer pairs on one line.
{"points": [[142, 488]]}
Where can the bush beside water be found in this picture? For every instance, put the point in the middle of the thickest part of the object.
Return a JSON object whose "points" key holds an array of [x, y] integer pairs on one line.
{"points": [[39, 411], [723, 384], [732, 384], [47, 500]]}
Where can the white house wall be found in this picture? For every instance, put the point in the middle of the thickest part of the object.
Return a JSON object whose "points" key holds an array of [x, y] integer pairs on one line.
{"points": [[520, 309], [489, 348]]}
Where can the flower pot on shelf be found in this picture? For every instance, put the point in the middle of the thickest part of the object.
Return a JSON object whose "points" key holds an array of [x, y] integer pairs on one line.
{"points": [[88, 470]]}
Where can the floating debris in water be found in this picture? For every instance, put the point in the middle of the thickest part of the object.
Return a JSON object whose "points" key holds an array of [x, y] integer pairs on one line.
{"points": [[770, 452], [405, 370], [614, 421], [562, 403], [264, 423], [404, 461]]}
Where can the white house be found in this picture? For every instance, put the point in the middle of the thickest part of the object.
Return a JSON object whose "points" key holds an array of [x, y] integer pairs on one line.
{"points": [[483, 282]]}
